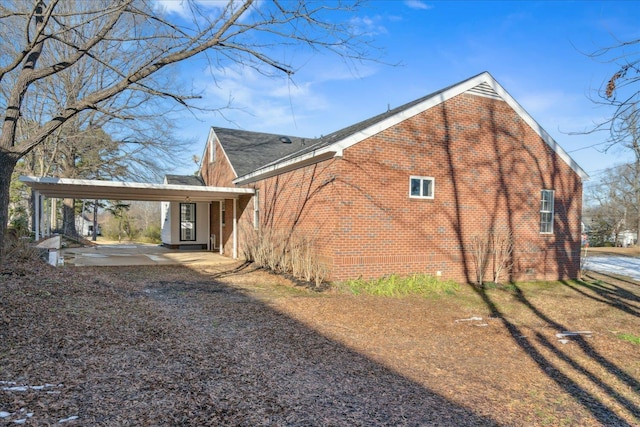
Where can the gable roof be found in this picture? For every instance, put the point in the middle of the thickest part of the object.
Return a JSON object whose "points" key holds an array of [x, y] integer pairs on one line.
{"points": [[248, 151], [332, 145]]}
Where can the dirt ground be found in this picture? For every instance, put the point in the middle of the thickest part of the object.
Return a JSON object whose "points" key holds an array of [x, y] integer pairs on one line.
{"points": [[630, 251], [171, 345]]}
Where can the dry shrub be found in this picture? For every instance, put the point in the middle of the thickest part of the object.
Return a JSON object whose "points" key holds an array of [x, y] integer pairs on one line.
{"points": [[285, 251], [18, 246], [480, 251], [495, 248]]}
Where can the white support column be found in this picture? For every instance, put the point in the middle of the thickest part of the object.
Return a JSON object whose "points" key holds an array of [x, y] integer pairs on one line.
{"points": [[53, 221], [209, 245], [48, 217], [36, 203], [221, 227], [235, 230]]}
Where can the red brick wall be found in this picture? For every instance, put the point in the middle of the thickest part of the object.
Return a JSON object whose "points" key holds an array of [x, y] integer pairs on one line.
{"points": [[218, 173], [489, 167]]}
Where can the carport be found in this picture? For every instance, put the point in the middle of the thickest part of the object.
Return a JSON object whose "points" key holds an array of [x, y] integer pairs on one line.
{"points": [[83, 189]]}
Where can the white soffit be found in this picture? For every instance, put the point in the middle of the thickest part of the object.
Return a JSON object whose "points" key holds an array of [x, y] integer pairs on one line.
{"points": [[114, 190]]}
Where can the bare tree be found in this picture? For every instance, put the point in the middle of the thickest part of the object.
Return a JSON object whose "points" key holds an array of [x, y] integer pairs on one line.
{"points": [[140, 42], [612, 204], [620, 91]]}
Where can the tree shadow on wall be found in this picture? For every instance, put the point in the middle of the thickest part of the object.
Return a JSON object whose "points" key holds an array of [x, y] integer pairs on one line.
{"points": [[558, 364]]}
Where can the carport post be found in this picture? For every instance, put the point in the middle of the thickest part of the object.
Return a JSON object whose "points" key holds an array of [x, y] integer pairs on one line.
{"points": [[235, 230], [221, 229]]}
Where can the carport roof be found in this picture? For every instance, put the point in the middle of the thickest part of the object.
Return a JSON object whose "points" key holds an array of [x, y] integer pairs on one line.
{"points": [[114, 190]]}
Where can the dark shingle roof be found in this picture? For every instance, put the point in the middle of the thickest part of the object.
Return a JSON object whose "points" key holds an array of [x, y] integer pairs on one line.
{"points": [[184, 180], [248, 151], [318, 143]]}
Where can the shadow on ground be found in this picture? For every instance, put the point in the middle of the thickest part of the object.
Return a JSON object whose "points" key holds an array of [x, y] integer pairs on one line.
{"points": [[167, 345], [587, 375]]}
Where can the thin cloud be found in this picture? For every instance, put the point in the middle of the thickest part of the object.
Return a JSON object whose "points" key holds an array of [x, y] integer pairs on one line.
{"points": [[417, 4], [371, 26], [185, 10], [272, 103]]}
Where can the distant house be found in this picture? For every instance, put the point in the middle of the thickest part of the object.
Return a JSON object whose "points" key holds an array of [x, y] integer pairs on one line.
{"points": [[406, 191], [627, 238], [84, 226]]}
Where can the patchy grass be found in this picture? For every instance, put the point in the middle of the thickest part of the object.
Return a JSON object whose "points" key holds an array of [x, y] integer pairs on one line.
{"points": [[634, 339], [399, 286]]}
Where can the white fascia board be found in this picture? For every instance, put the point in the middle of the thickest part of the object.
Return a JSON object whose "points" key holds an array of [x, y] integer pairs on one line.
{"points": [[450, 93], [130, 189], [536, 127], [338, 147], [408, 113], [204, 151], [307, 159], [216, 140]]}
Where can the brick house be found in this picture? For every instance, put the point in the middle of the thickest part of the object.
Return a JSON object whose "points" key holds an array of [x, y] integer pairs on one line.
{"points": [[410, 189]]}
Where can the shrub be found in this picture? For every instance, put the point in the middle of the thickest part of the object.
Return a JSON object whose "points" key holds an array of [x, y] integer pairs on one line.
{"points": [[285, 251], [152, 234], [495, 250], [18, 245]]}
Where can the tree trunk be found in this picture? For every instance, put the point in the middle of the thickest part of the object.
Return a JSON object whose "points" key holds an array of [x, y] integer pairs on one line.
{"points": [[69, 218], [7, 165], [94, 237]]}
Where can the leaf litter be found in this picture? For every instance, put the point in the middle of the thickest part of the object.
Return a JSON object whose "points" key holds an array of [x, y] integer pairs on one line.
{"points": [[170, 345]]}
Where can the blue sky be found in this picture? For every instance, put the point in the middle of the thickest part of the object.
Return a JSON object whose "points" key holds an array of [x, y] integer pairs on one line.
{"points": [[536, 50]]}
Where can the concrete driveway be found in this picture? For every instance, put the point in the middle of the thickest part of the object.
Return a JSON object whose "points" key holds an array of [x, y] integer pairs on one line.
{"points": [[138, 254]]}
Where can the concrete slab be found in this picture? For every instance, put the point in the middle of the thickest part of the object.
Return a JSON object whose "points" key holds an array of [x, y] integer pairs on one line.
{"points": [[138, 254]]}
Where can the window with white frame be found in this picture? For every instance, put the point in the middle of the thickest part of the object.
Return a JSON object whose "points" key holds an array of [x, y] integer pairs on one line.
{"points": [[223, 212], [187, 221], [546, 211], [256, 210], [421, 187]]}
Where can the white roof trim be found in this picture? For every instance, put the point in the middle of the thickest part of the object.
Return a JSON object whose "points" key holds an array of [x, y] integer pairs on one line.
{"points": [[307, 159], [339, 146], [115, 190], [217, 141]]}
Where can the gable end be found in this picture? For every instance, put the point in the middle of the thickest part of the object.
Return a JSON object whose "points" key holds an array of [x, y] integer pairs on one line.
{"points": [[484, 89]]}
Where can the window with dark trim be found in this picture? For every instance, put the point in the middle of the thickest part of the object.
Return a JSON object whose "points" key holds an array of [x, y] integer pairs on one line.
{"points": [[188, 221], [421, 187], [546, 211]]}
